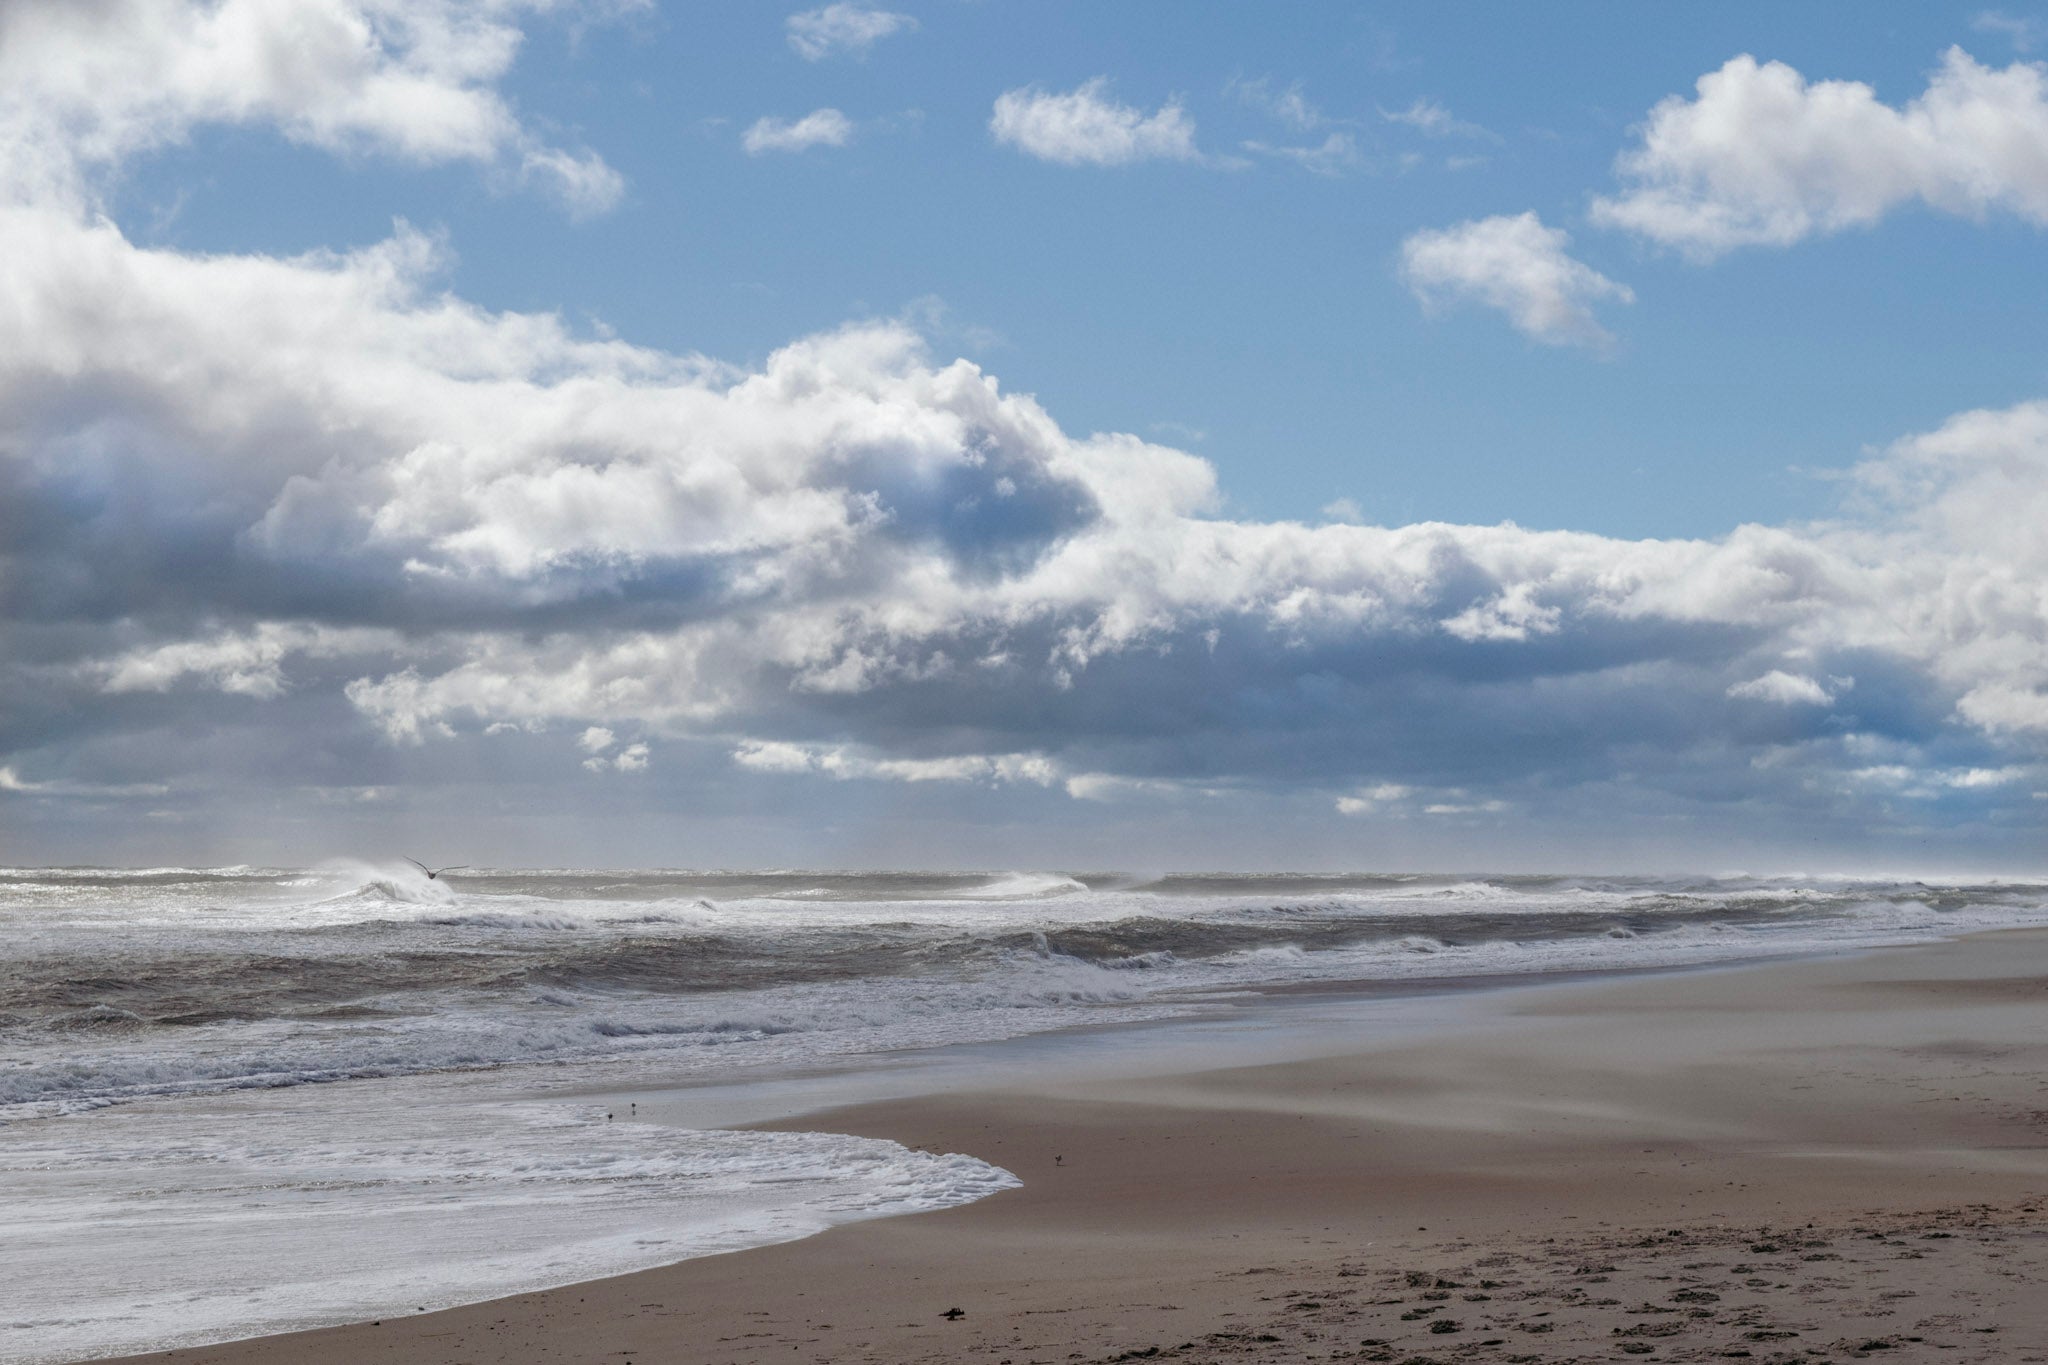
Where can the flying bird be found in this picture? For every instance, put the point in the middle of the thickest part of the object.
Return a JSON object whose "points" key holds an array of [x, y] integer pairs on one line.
{"points": [[431, 872]]}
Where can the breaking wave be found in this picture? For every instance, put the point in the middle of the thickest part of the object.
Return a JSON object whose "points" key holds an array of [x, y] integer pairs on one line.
{"points": [[1026, 886], [125, 985]]}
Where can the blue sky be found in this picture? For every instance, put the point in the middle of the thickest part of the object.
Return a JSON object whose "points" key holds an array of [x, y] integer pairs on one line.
{"points": [[1258, 307], [544, 425]]}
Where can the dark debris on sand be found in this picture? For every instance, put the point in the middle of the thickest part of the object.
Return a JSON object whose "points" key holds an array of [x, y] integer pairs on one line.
{"points": [[1735, 1295]]}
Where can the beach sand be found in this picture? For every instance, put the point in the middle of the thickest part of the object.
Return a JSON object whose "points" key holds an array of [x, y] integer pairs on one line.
{"points": [[1801, 1161]]}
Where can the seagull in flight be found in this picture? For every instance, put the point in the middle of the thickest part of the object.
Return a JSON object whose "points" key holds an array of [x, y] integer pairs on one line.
{"points": [[432, 872]]}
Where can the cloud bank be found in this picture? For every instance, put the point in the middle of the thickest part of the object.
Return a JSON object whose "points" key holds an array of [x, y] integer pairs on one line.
{"points": [[861, 562]]}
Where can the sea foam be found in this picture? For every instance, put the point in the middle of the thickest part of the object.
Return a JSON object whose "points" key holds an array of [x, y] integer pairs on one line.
{"points": [[159, 1226]]}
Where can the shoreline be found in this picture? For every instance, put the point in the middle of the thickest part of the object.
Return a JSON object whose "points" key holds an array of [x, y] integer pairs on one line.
{"points": [[1895, 1090], [1251, 1023]]}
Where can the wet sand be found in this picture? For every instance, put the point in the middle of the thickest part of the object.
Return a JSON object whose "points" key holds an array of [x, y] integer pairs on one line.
{"points": [[1804, 1161]]}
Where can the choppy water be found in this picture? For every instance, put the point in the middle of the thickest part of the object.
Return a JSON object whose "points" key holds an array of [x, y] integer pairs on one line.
{"points": [[117, 986], [198, 990]]}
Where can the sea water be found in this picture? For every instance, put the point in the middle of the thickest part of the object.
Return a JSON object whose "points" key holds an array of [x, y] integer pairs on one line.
{"points": [[173, 1170]]}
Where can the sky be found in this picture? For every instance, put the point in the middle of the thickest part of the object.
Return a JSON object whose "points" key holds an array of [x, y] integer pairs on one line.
{"points": [[1000, 434]]}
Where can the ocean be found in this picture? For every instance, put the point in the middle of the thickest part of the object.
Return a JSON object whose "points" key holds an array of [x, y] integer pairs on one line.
{"points": [[243, 1100]]}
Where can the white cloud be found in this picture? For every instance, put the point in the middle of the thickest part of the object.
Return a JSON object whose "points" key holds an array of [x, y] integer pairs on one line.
{"points": [[1764, 157], [1973, 778], [819, 128], [1937, 784], [1112, 787], [1514, 614], [631, 759], [2004, 709], [1785, 689], [1086, 127], [847, 762], [1368, 800], [1403, 802], [1289, 105], [850, 29], [1335, 155], [14, 783], [1343, 509], [249, 663], [2024, 32], [582, 182], [1969, 499], [83, 87], [1517, 265], [1433, 120], [775, 756]]}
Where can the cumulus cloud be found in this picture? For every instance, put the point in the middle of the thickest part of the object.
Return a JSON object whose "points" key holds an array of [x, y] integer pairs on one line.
{"points": [[597, 741], [842, 28], [1975, 487], [1519, 266], [819, 128], [84, 87], [1087, 127], [1763, 157]]}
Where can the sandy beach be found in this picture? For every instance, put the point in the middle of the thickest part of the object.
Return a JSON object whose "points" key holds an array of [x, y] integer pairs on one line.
{"points": [[1795, 1161]]}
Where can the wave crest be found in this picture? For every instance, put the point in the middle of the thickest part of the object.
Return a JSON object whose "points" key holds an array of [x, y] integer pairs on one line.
{"points": [[1019, 886]]}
